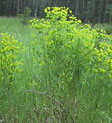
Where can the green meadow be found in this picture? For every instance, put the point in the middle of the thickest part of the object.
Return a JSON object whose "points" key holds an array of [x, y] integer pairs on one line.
{"points": [[55, 70]]}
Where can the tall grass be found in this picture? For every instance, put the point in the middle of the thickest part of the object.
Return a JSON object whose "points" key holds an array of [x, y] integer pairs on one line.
{"points": [[40, 96]]}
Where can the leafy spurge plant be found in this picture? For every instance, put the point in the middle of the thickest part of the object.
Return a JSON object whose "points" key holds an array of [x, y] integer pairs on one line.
{"points": [[69, 49], [9, 64]]}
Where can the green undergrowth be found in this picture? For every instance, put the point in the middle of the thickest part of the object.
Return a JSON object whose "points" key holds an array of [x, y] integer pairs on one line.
{"points": [[60, 70], [106, 27]]}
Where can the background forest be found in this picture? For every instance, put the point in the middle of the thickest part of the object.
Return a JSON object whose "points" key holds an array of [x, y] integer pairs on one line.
{"points": [[87, 10]]}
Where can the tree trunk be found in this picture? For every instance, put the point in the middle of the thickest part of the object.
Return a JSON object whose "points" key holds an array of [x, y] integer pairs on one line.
{"points": [[103, 11], [96, 12], [18, 7]]}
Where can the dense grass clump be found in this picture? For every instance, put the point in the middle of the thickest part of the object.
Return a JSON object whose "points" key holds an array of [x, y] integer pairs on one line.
{"points": [[66, 74]]}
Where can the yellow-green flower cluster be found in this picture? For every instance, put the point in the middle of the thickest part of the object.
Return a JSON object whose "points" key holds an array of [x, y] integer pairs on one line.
{"points": [[56, 13], [9, 64], [103, 59]]}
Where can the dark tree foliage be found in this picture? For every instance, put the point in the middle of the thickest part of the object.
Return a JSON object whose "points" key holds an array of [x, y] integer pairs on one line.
{"points": [[94, 11]]}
